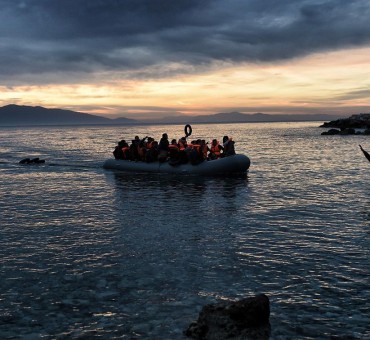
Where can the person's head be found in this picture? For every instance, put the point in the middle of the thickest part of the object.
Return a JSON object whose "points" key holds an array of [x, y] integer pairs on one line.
{"points": [[225, 139], [173, 141], [165, 136], [214, 142], [137, 138]]}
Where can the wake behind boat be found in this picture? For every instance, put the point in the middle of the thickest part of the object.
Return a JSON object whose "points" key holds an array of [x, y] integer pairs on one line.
{"points": [[196, 157]]}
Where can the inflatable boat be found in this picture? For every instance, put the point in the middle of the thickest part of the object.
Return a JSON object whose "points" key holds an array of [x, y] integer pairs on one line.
{"points": [[236, 164]]}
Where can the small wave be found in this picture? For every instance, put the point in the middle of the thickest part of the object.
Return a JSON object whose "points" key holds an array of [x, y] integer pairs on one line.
{"points": [[76, 165]]}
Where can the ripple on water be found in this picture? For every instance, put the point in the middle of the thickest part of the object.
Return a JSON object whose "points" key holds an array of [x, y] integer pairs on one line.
{"points": [[86, 252]]}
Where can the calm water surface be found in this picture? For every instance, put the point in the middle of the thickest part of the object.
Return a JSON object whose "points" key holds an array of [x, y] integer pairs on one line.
{"points": [[91, 253]]}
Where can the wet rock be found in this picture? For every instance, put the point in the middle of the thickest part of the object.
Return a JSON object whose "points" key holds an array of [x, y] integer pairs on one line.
{"points": [[331, 132], [244, 319], [36, 160], [347, 131]]}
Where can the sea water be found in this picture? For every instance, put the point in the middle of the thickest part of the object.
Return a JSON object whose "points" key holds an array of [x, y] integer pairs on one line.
{"points": [[92, 253]]}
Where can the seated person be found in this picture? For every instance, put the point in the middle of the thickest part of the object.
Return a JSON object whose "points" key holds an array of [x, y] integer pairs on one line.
{"points": [[163, 148], [174, 152], [215, 151], [119, 150], [229, 146], [152, 153]]}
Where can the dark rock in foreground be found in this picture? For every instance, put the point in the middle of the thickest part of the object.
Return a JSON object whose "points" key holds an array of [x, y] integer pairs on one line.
{"points": [[244, 319], [347, 126], [32, 161]]}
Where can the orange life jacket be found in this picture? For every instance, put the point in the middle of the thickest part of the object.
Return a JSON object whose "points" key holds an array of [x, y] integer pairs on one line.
{"points": [[216, 149], [172, 146], [204, 149], [141, 151], [182, 145], [196, 147], [125, 151]]}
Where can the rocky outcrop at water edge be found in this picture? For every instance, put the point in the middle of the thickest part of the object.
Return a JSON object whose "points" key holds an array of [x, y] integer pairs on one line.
{"points": [[356, 124], [244, 319]]}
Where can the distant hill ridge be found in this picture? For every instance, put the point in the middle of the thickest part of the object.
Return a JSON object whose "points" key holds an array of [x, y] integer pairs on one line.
{"points": [[238, 117], [37, 115]]}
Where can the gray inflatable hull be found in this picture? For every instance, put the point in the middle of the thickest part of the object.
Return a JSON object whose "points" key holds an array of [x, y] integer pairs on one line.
{"points": [[236, 164]]}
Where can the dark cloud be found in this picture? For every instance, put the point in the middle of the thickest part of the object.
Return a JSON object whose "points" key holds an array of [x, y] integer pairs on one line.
{"points": [[356, 94], [75, 38]]}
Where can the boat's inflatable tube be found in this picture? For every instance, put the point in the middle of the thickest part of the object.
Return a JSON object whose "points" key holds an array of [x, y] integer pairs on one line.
{"points": [[236, 164]]}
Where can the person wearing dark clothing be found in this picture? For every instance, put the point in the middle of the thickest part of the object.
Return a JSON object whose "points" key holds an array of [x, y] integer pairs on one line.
{"points": [[174, 153], [194, 152], [142, 149], [120, 149], [163, 148], [229, 146], [151, 154], [164, 143], [134, 149]]}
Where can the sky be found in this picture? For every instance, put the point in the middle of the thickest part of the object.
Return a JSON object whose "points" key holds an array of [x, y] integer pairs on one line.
{"points": [[154, 58]]}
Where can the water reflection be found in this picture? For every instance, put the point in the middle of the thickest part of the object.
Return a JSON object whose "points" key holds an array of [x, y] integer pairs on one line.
{"points": [[143, 253], [190, 223], [181, 234], [183, 188]]}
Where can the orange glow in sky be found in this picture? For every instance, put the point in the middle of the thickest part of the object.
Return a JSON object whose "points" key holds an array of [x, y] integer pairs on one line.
{"points": [[323, 81], [152, 59]]}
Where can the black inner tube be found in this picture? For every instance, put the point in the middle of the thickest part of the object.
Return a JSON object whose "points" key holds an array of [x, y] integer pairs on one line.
{"points": [[188, 130]]}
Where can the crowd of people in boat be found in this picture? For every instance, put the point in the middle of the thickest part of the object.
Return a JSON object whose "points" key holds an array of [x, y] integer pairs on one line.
{"points": [[175, 152]]}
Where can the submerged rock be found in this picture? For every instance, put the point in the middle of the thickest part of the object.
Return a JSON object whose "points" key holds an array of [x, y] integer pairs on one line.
{"points": [[32, 161], [244, 319]]}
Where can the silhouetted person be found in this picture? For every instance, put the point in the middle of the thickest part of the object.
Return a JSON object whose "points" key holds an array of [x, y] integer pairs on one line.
{"points": [[367, 155]]}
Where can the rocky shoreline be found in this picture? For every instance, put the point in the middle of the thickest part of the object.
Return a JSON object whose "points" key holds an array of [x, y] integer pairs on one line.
{"points": [[354, 125]]}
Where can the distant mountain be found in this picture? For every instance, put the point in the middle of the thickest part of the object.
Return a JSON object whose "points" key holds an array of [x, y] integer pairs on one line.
{"points": [[37, 115], [237, 117]]}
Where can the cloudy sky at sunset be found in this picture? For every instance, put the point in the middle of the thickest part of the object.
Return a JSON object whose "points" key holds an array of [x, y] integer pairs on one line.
{"points": [[150, 58]]}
